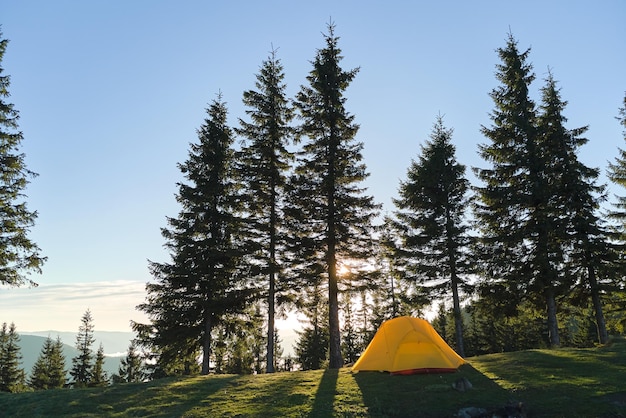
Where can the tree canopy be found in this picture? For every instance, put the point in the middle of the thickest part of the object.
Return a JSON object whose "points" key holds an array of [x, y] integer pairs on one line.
{"points": [[19, 255]]}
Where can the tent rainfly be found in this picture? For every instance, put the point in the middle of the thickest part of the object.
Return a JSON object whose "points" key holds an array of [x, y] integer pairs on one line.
{"points": [[408, 345]]}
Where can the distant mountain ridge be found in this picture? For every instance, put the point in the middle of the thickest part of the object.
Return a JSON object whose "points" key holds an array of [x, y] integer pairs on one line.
{"points": [[115, 344]]}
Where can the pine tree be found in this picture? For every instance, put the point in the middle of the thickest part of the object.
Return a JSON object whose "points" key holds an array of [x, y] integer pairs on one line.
{"points": [[496, 333], [431, 212], [206, 278], [56, 370], [49, 370], [4, 338], [239, 343], [258, 341], [19, 255], [392, 263], [12, 376], [241, 357], [519, 225], [311, 348], [577, 196], [278, 349], [162, 361], [39, 379], [396, 292], [350, 342], [440, 322], [617, 174], [131, 367], [99, 377], [82, 370], [265, 161], [331, 212]]}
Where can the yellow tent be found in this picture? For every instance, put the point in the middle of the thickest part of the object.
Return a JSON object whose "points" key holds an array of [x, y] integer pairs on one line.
{"points": [[407, 345]]}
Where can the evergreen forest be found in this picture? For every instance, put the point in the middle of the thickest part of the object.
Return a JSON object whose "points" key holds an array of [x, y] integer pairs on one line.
{"points": [[275, 219]]}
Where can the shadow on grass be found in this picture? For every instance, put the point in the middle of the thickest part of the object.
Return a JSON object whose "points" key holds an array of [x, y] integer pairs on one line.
{"points": [[427, 395], [325, 395], [563, 382]]}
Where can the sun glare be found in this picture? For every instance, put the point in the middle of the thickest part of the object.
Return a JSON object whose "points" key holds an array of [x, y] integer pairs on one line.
{"points": [[343, 270]]}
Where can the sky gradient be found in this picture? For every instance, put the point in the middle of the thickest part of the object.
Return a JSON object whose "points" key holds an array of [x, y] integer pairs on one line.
{"points": [[110, 95]]}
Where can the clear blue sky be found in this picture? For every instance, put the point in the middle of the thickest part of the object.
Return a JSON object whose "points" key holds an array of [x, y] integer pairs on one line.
{"points": [[111, 93]]}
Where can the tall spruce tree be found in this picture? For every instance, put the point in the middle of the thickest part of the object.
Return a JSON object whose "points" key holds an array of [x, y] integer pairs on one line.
{"points": [[431, 211], [331, 212], [83, 363], [12, 376], [49, 370], [208, 243], [577, 197], [19, 255], [265, 161], [100, 377], [617, 174], [520, 227]]}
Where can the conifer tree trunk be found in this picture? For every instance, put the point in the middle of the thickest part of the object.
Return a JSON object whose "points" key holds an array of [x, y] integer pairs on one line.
{"points": [[553, 327], [271, 294], [335, 357], [603, 335], [548, 277], [271, 301], [458, 318], [206, 348]]}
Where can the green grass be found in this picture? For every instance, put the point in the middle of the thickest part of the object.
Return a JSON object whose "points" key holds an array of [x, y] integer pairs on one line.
{"points": [[550, 383]]}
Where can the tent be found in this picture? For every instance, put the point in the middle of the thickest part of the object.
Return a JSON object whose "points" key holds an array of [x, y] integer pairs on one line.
{"points": [[408, 345]]}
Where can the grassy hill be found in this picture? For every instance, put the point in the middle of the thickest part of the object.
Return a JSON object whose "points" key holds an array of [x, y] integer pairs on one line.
{"points": [[550, 383]]}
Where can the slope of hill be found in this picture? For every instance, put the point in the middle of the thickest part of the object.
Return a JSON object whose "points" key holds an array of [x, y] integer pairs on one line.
{"points": [[549, 383]]}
